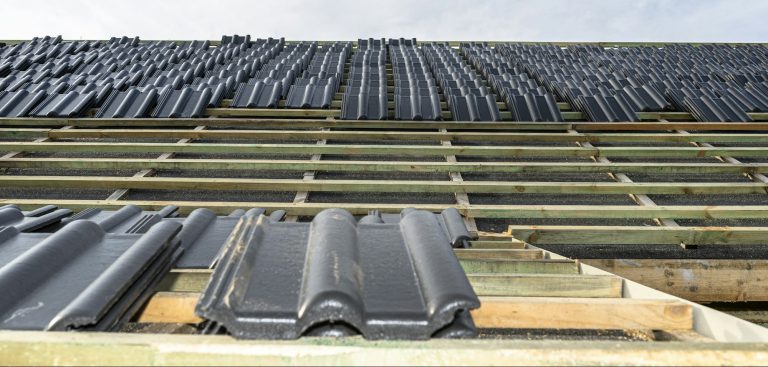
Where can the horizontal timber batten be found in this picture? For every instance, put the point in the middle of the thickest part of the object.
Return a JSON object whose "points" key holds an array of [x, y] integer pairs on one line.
{"points": [[388, 135], [398, 150], [697, 280], [383, 166], [505, 187], [388, 124], [619, 235], [502, 312], [484, 284], [35, 348], [475, 210]]}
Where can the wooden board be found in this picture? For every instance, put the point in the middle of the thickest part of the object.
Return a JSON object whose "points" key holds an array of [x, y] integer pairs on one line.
{"points": [[719, 280], [624, 235], [35, 348], [498, 187], [500, 284], [501, 312]]}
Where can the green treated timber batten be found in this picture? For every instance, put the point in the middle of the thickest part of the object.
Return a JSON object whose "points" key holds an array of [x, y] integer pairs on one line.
{"points": [[401, 150], [486, 284], [477, 211], [508, 187], [620, 235], [375, 124], [381, 166], [520, 266], [23, 133], [395, 135], [498, 254], [103, 348]]}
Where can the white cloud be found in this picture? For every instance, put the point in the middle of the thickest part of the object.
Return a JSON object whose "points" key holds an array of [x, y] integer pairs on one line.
{"points": [[541, 20]]}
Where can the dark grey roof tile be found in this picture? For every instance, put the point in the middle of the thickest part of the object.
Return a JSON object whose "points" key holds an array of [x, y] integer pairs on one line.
{"points": [[19, 103], [384, 280], [184, 103], [80, 277]]}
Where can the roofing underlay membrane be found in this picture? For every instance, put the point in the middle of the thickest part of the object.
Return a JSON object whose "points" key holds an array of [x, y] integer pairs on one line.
{"points": [[124, 77]]}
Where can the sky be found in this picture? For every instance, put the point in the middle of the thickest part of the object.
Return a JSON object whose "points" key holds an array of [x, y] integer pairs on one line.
{"points": [[460, 20]]}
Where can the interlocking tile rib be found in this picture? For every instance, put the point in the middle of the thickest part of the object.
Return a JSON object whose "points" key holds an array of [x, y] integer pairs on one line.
{"points": [[12, 216], [337, 276]]}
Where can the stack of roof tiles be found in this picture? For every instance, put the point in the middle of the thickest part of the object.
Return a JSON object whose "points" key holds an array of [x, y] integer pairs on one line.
{"points": [[95, 269], [416, 94], [713, 82], [127, 78], [321, 79], [365, 96], [525, 98], [468, 97]]}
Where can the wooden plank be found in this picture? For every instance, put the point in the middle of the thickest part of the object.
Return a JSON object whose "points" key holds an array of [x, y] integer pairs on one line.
{"points": [[546, 285], [170, 307], [582, 313], [399, 150], [518, 285], [388, 135], [698, 280], [521, 266], [19, 133], [505, 187], [624, 235], [501, 312], [481, 244], [383, 166], [478, 211], [67, 348], [491, 254], [372, 124]]}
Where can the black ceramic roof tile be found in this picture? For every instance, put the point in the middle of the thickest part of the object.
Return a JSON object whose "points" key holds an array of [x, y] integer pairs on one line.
{"points": [[184, 103], [474, 108], [261, 94], [415, 106], [531, 107], [19, 103], [70, 104], [606, 108], [80, 277], [336, 276], [12, 216], [132, 103], [313, 95], [203, 235], [715, 109], [364, 106], [235, 39], [645, 99]]}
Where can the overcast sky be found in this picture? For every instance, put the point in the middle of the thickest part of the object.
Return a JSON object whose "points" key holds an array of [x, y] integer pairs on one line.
{"points": [[536, 20]]}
